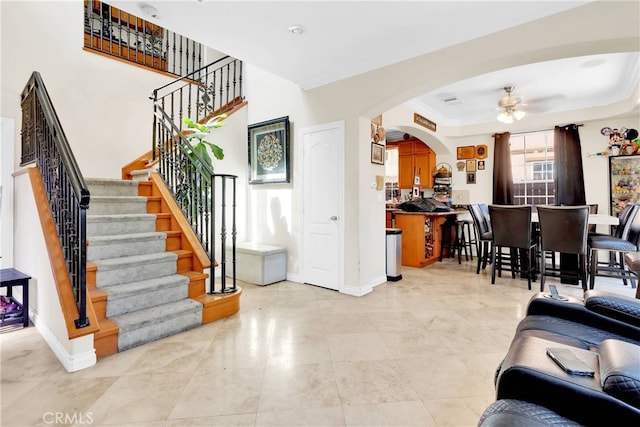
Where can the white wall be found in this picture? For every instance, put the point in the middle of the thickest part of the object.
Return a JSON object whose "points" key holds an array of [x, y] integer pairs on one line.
{"points": [[6, 195], [274, 209], [31, 257], [103, 104]]}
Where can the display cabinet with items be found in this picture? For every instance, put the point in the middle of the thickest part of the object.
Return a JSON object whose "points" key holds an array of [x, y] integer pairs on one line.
{"points": [[442, 183], [624, 180]]}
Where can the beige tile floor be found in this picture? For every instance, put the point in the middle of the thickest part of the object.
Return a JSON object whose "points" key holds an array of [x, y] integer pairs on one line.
{"points": [[418, 352]]}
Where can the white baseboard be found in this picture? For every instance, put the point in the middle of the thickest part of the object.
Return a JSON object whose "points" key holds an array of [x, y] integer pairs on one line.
{"points": [[292, 277], [378, 281], [356, 292], [70, 362]]}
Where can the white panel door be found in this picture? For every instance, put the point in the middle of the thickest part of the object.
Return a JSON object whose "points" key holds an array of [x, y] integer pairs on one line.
{"points": [[323, 171]]}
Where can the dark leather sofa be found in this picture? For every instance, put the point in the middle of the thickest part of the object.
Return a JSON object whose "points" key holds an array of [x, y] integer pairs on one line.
{"points": [[603, 330]]}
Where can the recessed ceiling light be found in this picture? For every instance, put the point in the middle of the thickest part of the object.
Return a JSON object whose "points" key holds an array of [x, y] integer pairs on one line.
{"points": [[296, 30]]}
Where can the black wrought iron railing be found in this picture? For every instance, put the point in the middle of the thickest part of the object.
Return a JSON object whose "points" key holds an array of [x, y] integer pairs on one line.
{"points": [[198, 191], [211, 90], [44, 142], [111, 31]]}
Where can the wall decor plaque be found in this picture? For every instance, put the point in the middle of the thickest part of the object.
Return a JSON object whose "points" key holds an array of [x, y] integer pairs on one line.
{"points": [[423, 121], [466, 152], [481, 151]]}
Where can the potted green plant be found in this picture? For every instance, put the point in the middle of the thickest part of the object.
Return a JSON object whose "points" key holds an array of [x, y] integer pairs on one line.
{"points": [[196, 134]]}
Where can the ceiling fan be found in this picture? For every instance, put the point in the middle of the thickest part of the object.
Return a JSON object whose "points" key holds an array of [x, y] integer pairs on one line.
{"points": [[509, 104]]}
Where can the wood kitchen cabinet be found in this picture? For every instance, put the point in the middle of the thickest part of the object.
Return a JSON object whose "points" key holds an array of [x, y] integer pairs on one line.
{"points": [[415, 159]]}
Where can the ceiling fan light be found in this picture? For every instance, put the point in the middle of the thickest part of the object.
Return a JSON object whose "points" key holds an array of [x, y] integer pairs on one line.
{"points": [[505, 117], [518, 114]]}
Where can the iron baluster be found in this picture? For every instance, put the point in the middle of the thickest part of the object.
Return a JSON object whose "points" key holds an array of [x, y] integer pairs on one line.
{"points": [[66, 191]]}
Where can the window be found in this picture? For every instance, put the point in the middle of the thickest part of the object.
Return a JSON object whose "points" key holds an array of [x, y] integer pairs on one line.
{"points": [[533, 165], [542, 170]]}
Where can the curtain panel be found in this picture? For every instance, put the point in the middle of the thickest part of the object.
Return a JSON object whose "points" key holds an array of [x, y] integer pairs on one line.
{"points": [[568, 166], [502, 174]]}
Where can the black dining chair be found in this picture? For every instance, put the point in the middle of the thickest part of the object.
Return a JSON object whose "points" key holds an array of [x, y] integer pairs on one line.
{"points": [[511, 228], [484, 237], [564, 229], [625, 240]]}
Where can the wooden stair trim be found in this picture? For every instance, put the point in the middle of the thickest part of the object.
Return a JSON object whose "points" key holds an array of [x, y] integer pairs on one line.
{"points": [[219, 306], [105, 341], [143, 162], [189, 240], [146, 160], [58, 264]]}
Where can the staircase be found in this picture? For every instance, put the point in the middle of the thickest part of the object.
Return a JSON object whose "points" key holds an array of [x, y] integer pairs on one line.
{"points": [[137, 279]]}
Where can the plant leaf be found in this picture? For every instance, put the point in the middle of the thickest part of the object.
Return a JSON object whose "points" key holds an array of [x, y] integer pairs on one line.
{"points": [[202, 151], [217, 151]]}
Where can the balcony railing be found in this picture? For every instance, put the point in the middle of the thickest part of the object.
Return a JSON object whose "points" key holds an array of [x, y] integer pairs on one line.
{"points": [[111, 31]]}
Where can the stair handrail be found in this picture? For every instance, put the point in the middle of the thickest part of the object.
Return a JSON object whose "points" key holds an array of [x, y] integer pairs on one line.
{"points": [[210, 90], [192, 182], [45, 143]]}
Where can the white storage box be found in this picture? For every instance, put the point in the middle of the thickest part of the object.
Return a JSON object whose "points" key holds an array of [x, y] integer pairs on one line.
{"points": [[257, 263]]}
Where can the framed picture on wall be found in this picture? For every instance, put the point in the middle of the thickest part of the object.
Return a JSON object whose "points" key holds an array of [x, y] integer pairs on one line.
{"points": [[480, 165], [471, 165], [467, 152], [269, 154], [471, 177], [377, 153]]}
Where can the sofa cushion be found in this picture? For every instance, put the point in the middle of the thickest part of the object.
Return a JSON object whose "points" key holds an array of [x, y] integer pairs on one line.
{"points": [[529, 374], [620, 370], [565, 331], [619, 307], [519, 413]]}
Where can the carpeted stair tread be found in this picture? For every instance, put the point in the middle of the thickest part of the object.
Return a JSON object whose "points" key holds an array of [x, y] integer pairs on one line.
{"points": [[101, 205], [123, 238], [143, 326], [120, 217], [148, 316], [132, 268], [110, 224], [117, 199], [143, 286], [106, 187], [116, 263], [133, 296]]}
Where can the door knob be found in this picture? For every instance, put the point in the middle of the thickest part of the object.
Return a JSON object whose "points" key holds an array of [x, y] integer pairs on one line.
{"points": [[334, 218]]}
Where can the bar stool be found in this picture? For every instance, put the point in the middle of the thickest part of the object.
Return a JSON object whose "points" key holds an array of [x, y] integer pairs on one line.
{"points": [[449, 240], [465, 241]]}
